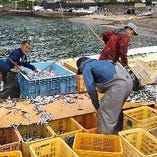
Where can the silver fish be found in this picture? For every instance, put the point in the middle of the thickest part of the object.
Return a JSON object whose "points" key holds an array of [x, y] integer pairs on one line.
{"points": [[45, 117]]}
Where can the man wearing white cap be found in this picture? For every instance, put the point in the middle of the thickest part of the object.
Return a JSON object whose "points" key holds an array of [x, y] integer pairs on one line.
{"points": [[116, 44]]}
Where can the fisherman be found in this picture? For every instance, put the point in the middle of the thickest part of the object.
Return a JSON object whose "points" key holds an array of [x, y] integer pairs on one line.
{"points": [[116, 43], [9, 86], [115, 82], [19, 56]]}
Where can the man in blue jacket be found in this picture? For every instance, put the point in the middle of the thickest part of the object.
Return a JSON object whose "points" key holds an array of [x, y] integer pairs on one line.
{"points": [[111, 79], [19, 56], [9, 86]]}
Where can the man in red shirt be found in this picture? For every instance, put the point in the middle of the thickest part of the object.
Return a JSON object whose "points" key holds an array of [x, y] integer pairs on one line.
{"points": [[116, 44]]}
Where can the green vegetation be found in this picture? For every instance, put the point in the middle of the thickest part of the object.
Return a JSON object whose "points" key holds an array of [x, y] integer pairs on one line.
{"points": [[26, 4], [20, 4], [4, 1]]}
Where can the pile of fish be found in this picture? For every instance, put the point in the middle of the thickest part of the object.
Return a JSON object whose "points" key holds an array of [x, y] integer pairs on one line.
{"points": [[146, 93], [43, 74], [45, 117], [59, 132], [39, 101], [9, 103], [43, 100], [32, 138]]}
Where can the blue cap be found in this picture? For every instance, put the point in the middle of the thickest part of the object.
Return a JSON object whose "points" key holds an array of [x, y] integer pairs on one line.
{"points": [[4, 67], [133, 27]]}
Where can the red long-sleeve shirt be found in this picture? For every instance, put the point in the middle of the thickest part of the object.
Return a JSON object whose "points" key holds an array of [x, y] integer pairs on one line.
{"points": [[116, 46]]}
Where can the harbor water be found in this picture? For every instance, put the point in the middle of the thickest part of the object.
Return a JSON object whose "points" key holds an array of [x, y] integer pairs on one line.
{"points": [[51, 37]]}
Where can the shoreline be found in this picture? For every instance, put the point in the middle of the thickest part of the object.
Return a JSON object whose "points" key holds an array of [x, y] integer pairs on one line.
{"points": [[148, 22]]}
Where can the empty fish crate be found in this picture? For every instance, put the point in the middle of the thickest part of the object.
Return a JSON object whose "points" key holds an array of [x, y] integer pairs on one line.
{"points": [[138, 143], [55, 147], [15, 153], [97, 145], [141, 117]]}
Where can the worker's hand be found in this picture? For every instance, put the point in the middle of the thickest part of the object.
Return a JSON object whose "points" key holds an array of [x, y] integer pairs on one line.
{"points": [[16, 68], [24, 72]]}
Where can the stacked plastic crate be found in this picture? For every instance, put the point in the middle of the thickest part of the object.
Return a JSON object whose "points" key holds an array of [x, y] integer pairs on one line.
{"points": [[97, 145], [55, 147], [139, 126], [138, 135], [15, 153], [138, 143]]}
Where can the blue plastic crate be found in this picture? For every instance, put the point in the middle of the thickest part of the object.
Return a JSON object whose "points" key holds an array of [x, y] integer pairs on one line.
{"points": [[3, 59], [65, 81]]}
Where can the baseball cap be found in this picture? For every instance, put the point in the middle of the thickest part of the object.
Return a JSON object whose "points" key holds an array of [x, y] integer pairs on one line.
{"points": [[133, 27]]}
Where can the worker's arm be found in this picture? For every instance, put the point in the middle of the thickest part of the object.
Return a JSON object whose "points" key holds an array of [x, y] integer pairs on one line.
{"points": [[123, 48], [90, 85]]}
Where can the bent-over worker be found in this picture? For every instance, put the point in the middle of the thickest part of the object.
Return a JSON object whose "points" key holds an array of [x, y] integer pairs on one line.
{"points": [[114, 81]]}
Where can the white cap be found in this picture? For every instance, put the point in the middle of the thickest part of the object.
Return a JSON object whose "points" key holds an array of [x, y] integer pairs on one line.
{"points": [[133, 27]]}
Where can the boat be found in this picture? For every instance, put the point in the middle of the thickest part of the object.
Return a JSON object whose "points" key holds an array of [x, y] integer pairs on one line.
{"points": [[147, 13]]}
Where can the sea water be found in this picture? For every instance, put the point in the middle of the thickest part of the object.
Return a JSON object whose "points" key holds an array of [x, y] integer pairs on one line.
{"points": [[50, 38]]}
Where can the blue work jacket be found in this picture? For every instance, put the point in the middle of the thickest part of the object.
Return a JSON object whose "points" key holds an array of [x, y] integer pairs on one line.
{"points": [[19, 58], [96, 72]]}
